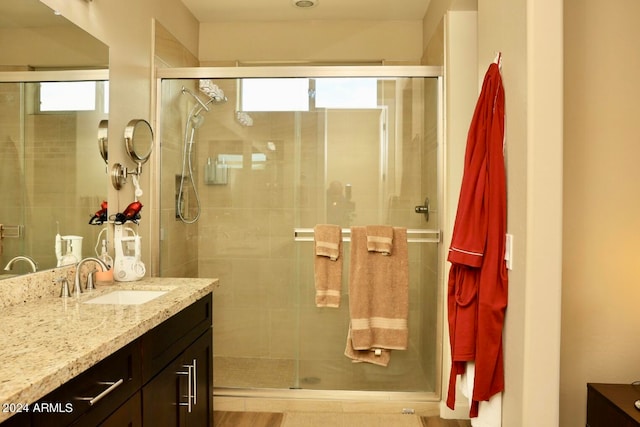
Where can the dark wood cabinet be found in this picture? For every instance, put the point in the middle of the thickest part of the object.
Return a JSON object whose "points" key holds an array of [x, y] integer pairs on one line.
{"points": [[181, 394], [127, 415], [164, 378], [612, 405]]}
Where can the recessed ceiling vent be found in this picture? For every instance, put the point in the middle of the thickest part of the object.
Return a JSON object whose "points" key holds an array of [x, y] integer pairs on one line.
{"points": [[304, 4]]}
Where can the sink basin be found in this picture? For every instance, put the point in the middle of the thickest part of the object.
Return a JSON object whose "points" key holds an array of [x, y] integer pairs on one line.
{"points": [[129, 297]]}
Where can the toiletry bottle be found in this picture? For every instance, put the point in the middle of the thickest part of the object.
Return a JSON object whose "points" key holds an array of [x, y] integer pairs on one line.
{"points": [[221, 172], [209, 172], [68, 258]]}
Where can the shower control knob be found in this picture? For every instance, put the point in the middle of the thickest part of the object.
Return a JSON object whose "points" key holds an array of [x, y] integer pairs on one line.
{"points": [[424, 209]]}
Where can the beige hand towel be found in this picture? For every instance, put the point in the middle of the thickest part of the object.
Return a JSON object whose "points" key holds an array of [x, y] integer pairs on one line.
{"points": [[327, 264], [378, 299], [379, 238]]}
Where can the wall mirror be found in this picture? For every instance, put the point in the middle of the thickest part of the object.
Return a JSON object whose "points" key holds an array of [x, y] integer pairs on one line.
{"points": [[52, 174]]}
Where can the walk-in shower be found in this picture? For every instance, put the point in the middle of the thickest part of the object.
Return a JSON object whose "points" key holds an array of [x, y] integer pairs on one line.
{"points": [[348, 146]]}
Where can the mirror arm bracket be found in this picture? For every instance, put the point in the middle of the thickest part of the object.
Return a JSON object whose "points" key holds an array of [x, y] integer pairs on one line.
{"points": [[120, 173]]}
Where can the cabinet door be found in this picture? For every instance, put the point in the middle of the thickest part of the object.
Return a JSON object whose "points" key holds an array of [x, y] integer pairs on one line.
{"points": [[128, 415], [181, 394], [199, 357], [160, 398]]}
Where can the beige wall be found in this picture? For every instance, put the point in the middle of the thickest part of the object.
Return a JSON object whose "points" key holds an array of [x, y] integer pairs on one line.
{"points": [[528, 36], [461, 79], [528, 33], [316, 41], [51, 47], [601, 268]]}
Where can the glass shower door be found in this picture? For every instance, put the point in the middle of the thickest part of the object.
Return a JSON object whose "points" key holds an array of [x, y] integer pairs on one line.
{"points": [[374, 165], [281, 169]]}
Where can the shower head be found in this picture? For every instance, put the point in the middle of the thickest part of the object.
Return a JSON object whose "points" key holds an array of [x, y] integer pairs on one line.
{"points": [[212, 90]]}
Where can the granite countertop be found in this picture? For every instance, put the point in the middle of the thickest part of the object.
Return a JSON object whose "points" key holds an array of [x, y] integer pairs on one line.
{"points": [[48, 340]]}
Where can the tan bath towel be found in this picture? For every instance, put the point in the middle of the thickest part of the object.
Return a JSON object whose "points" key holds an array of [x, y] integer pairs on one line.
{"points": [[379, 238], [378, 299], [327, 266]]}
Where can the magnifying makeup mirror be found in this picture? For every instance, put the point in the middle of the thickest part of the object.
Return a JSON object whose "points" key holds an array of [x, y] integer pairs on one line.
{"points": [[138, 139]]}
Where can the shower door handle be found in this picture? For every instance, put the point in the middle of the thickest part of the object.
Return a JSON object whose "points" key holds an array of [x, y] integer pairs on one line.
{"points": [[424, 209]]}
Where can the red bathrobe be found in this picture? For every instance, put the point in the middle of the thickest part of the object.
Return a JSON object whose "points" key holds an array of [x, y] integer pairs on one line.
{"points": [[477, 288]]}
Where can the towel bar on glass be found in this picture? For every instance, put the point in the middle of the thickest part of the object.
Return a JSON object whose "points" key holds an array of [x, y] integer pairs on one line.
{"points": [[429, 236], [14, 231]]}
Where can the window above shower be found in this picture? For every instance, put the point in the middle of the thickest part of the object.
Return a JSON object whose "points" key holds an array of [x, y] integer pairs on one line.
{"points": [[303, 94], [73, 96]]}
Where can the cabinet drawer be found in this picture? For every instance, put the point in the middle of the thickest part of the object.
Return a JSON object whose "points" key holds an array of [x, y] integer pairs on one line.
{"points": [[166, 341], [94, 394]]}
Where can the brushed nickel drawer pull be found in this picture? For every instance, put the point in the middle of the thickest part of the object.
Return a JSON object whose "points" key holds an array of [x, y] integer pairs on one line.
{"points": [[112, 386], [195, 381], [189, 397]]}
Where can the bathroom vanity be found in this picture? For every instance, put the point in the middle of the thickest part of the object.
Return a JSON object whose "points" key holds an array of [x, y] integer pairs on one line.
{"points": [[74, 362]]}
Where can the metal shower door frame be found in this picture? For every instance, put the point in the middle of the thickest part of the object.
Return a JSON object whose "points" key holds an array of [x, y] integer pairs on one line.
{"points": [[374, 71]]}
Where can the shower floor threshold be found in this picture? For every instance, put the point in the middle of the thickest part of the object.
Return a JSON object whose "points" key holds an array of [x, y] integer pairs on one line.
{"points": [[335, 395]]}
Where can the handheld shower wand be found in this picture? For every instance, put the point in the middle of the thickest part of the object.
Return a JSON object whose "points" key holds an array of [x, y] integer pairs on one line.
{"points": [[194, 121]]}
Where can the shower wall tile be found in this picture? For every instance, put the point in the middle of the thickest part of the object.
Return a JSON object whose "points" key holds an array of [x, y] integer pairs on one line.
{"points": [[280, 279], [324, 333], [284, 335], [241, 332]]}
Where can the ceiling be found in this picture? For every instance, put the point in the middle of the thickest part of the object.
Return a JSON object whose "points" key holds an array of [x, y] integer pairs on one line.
{"points": [[207, 11], [28, 14], [25, 14]]}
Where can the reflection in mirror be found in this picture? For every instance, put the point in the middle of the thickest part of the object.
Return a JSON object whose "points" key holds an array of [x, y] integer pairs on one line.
{"points": [[52, 178], [103, 140], [138, 137]]}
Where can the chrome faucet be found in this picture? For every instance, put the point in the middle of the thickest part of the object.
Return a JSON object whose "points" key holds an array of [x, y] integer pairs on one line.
{"points": [[76, 287], [26, 259]]}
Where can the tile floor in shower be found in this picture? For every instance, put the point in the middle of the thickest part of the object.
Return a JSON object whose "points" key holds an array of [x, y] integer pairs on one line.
{"points": [[235, 372]]}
